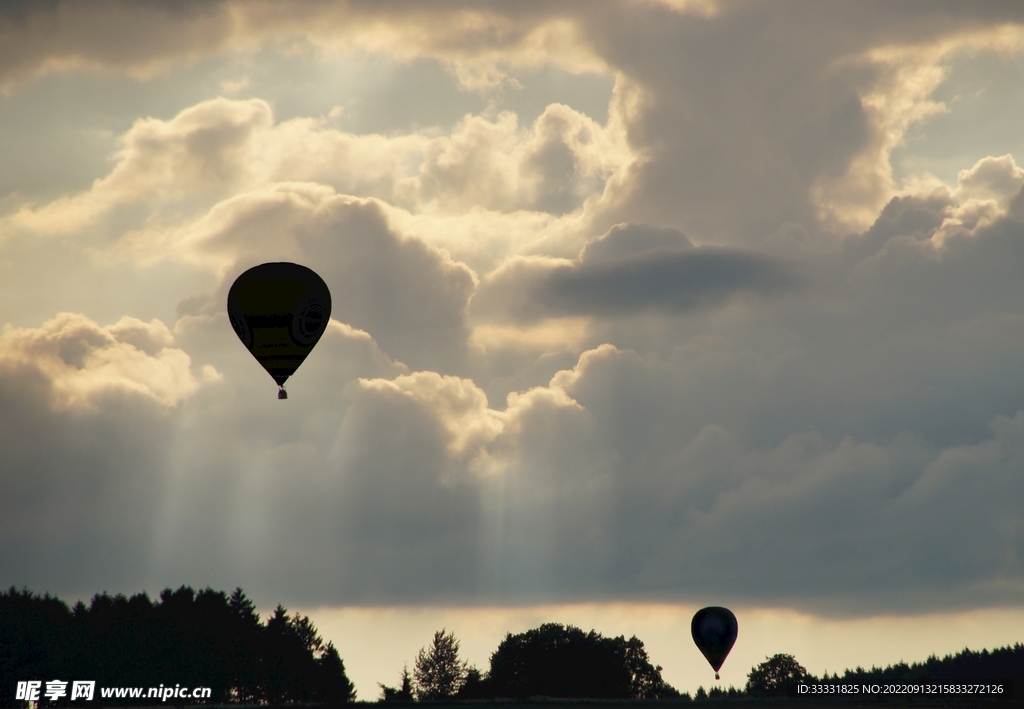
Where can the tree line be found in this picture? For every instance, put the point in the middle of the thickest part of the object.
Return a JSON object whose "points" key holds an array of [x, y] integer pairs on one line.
{"points": [[211, 639], [560, 661], [204, 639], [780, 674], [550, 661]]}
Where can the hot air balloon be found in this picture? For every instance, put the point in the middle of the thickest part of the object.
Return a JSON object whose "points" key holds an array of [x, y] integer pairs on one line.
{"points": [[714, 630], [279, 311]]}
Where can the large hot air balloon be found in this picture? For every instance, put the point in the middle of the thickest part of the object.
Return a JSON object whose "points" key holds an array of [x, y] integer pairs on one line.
{"points": [[279, 311], [714, 630]]}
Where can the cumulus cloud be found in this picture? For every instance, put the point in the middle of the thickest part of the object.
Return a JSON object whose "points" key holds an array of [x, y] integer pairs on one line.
{"points": [[563, 159], [82, 362], [459, 405], [485, 188], [410, 296], [200, 154], [206, 187], [991, 178], [829, 113]]}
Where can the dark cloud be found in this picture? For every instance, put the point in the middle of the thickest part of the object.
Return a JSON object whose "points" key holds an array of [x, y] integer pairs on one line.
{"points": [[911, 216], [136, 39], [632, 269], [746, 112], [673, 281], [624, 240]]}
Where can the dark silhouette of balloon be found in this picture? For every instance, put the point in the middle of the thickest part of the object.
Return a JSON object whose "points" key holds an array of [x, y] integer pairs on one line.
{"points": [[279, 311], [714, 630]]}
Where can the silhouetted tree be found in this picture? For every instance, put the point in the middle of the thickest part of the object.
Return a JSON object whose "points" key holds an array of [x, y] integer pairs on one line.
{"points": [[404, 693], [475, 686], [289, 665], [438, 671], [202, 639], [563, 661], [33, 638], [645, 678], [116, 638], [243, 654], [966, 666], [777, 675], [333, 685]]}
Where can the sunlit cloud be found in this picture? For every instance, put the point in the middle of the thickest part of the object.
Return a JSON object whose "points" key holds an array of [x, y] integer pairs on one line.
{"points": [[171, 174], [82, 362]]}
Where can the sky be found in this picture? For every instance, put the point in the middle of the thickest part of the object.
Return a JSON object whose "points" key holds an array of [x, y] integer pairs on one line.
{"points": [[638, 306]]}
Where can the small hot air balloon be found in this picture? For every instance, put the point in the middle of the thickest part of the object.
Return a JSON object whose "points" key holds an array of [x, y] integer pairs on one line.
{"points": [[279, 311], [714, 630]]}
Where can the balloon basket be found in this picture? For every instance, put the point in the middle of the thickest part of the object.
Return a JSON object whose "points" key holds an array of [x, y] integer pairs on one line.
{"points": [[282, 394]]}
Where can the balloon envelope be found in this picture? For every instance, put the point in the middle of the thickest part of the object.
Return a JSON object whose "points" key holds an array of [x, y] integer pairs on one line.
{"points": [[714, 629], [279, 311]]}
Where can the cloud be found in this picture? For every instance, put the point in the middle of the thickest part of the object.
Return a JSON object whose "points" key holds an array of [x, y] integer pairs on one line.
{"points": [[993, 178], [42, 38], [82, 362], [458, 404], [624, 240], [482, 189], [382, 476], [88, 420], [475, 42], [748, 124], [630, 270], [203, 188], [407, 294], [592, 487], [201, 154], [671, 281], [818, 150], [563, 159], [773, 526], [767, 460]]}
